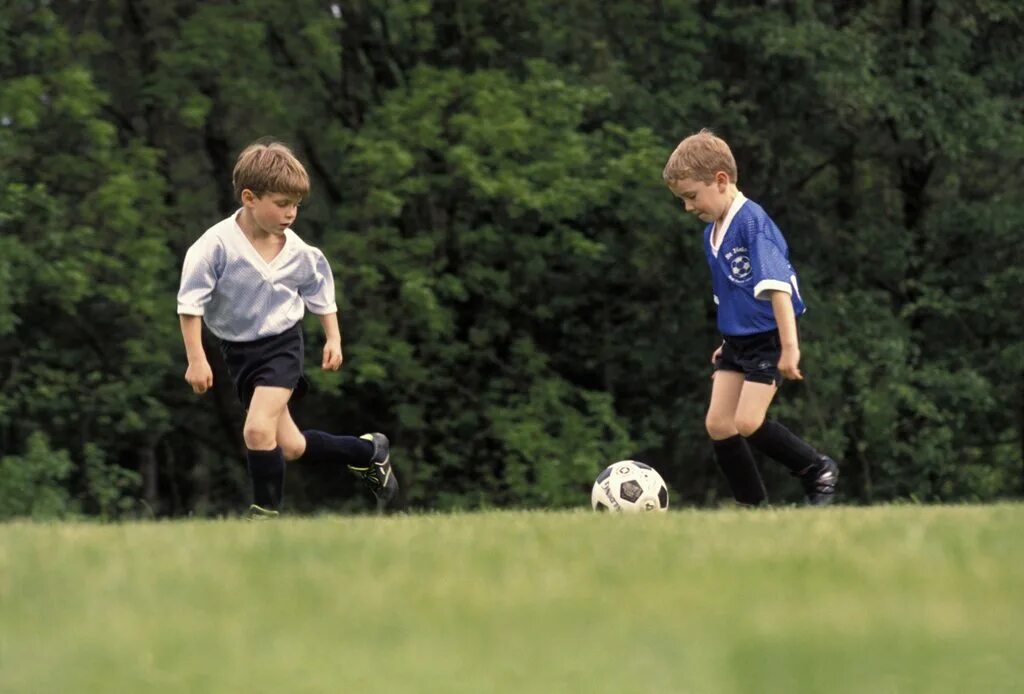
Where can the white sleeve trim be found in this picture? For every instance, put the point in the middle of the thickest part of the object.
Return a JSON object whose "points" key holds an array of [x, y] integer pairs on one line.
{"points": [[321, 310], [191, 310], [765, 286], [318, 294]]}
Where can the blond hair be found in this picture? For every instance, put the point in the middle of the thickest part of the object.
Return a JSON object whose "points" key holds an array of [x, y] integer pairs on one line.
{"points": [[700, 157], [269, 167]]}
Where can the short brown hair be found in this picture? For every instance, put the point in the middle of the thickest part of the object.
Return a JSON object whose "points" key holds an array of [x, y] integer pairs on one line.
{"points": [[700, 157], [269, 167]]}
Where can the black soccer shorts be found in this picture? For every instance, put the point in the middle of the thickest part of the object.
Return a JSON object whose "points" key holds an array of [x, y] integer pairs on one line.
{"points": [[756, 356], [270, 361]]}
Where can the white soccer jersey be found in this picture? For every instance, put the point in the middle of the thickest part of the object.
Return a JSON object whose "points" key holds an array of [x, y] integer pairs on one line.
{"points": [[242, 297]]}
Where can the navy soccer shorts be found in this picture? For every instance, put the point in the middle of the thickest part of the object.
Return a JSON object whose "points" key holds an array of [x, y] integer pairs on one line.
{"points": [[755, 356], [269, 361]]}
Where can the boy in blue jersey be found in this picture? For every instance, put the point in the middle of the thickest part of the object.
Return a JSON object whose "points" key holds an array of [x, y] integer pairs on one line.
{"points": [[250, 278], [758, 299]]}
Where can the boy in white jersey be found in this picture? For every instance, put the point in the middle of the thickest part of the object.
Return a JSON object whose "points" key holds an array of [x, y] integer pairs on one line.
{"points": [[758, 299], [250, 278]]}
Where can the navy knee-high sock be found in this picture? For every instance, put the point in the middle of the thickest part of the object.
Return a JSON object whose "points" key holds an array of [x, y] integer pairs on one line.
{"points": [[266, 468], [322, 447], [780, 443], [740, 470]]}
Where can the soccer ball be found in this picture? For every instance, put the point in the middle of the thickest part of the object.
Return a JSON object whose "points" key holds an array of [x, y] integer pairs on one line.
{"points": [[629, 486]]}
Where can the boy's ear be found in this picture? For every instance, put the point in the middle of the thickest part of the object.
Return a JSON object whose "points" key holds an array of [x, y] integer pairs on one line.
{"points": [[248, 197], [722, 178]]}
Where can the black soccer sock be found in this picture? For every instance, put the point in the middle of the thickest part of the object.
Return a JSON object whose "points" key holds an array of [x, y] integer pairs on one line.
{"points": [[780, 443], [322, 447], [266, 468], [740, 470]]}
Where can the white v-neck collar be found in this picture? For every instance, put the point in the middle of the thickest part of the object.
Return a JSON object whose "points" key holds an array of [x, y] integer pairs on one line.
{"points": [[254, 255], [737, 203]]}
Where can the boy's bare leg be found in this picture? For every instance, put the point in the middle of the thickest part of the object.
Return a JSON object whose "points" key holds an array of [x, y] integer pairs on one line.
{"points": [[752, 407], [731, 451], [265, 458], [265, 409], [726, 387], [289, 438]]}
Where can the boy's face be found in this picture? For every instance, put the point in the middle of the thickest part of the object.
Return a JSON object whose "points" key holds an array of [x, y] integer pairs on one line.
{"points": [[272, 212], [707, 201]]}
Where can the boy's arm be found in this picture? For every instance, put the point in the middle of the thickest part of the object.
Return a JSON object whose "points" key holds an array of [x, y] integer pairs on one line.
{"points": [[318, 295], [332, 346], [199, 374], [789, 361], [199, 275]]}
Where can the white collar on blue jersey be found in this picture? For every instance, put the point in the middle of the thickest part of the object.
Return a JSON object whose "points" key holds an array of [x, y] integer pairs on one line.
{"points": [[737, 203]]}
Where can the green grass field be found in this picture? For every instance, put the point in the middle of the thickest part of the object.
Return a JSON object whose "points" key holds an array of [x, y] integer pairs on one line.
{"points": [[884, 599]]}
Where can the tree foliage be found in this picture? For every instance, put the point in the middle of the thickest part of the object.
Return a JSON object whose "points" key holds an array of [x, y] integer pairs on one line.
{"points": [[521, 299]]}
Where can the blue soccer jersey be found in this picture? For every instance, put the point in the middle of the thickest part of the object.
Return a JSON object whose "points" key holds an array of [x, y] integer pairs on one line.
{"points": [[750, 261]]}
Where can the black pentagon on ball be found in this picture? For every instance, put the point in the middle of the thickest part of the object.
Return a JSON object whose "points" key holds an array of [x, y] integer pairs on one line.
{"points": [[642, 466], [630, 491], [604, 474], [663, 497]]}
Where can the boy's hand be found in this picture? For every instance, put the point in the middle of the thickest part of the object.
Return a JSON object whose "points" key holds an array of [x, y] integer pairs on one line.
{"points": [[200, 376], [714, 359], [789, 364], [332, 356], [716, 354]]}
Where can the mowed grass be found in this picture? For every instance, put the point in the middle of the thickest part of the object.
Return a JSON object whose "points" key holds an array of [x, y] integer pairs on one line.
{"points": [[884, 599]]}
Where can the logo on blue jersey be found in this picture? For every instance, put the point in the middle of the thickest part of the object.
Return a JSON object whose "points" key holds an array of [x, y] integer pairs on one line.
{"points": [[739, 264]]}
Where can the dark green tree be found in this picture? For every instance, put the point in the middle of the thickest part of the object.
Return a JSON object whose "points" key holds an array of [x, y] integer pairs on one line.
{"points": [[522, 300]]}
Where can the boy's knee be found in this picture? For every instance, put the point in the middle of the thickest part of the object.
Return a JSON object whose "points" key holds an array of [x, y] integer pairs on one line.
{"points": [[748, 425], [719, 428], [259, 436], [293, 448]]}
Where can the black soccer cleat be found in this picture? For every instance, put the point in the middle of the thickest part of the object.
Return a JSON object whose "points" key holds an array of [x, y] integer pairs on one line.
{"points": [[819, 481], [378, 476]]}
